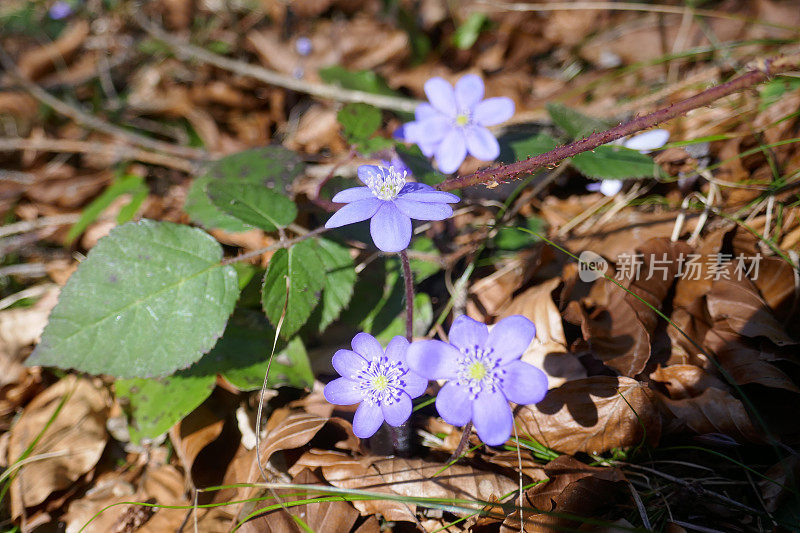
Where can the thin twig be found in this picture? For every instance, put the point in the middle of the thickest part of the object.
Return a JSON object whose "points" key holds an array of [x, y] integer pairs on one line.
{"points": [[117, 151], [328, 92], [278, 245], [462, 443], [90, 121], [503, 173], [30, 270], [37, 223]]}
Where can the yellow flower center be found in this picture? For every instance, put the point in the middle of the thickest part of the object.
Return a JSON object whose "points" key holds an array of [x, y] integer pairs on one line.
{"points": [[462, 120], [477, 371], [380, 383]]}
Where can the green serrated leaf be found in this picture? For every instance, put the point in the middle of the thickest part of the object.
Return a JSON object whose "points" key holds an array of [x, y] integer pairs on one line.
{"points": [[252, 203], [340, 277], [614, 163], [155, 405], [575, 124], [289, 367], [423, 318], [272, 167], [360, 80], [125, 185], [302, 267], [150, 298], [359, 121], [467, 33]]}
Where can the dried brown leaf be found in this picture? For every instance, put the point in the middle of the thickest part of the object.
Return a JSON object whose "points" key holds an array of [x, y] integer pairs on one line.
{"points": [[405, 477], [38, 61], [592, 415], [713, 411], [686, 381], [73, 442]]}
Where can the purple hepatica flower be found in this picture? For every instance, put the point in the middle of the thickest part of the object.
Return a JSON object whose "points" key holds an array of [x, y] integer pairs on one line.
{"points": [[60, 10], [390, 203], [455, 121], [380, 382], [644, 143], [303, 46], [483, 373]]}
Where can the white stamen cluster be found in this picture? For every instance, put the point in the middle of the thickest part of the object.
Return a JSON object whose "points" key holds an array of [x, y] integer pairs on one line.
{"points": [[381, 381], [479, 370], [386, 184]]}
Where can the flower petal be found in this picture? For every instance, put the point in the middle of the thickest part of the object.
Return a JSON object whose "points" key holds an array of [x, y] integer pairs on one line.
{"points": [[510, 337], [367, 172], [467, 333], [367, 420], [454, 404], [431, 130], [469, 91], [343, 391], [441, 96], [390, 229], [354, 212], [367, 346], [423, 210], [428, 149], [348, 364], [493, 111], [648, 141], [424, 111], [492, 418], [398, 412], [481, 143], [433, 359], [451, 151], [396, 350], [610, 187], [415, 384], [425, 193], [353, 195], [523, 383]]}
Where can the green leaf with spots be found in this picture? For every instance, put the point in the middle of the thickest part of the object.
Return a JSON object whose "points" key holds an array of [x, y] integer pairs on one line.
{"points": [[614, 163], [271, 167], [150, 298], [575, 124], [253, 204], [294, 280], [153, 406], [340, 278]]}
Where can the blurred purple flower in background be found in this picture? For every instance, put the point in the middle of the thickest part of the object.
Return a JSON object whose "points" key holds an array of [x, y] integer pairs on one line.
{"points": [[303, 46], [380, 382], [60, 10], [644, 143], [483, 374], [390, 202], [454, 122]]}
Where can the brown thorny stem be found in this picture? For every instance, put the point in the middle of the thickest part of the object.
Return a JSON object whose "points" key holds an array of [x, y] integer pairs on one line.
{"points": [[756, 75]]}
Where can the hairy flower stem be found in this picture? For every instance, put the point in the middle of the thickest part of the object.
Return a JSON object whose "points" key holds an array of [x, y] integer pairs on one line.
{"points": [[461, 444], [401, 435], [756, 75], [409, 281]]}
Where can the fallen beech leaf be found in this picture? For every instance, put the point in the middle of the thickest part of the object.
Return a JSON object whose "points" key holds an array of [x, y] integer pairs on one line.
{"points": [[590, 415], [324, 516], [686, 381], [76, 438], [781, 474], [713, 411], [40, 60], [574, 488], [196, 431], [293, 431], [405, 477], [739, 305], [746, 362]]}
